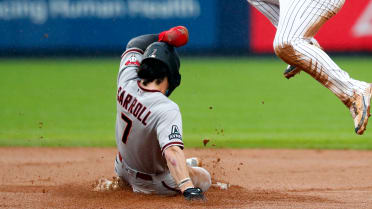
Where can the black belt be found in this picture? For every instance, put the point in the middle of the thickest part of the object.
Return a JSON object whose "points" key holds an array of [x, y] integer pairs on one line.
{"points": [[143, 176], [139, 175]]}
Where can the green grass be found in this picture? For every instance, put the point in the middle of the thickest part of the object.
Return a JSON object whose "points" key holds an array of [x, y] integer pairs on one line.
{"points": [[234, 102]]}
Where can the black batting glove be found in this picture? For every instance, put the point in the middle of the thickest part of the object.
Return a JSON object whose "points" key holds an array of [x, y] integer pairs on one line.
{"points": [[193, 194]]}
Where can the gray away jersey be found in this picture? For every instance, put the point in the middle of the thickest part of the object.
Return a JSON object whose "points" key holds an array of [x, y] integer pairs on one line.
{"points": [[147, 122]]}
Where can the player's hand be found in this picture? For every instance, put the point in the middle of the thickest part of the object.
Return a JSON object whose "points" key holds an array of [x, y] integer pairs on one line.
{"points": [[176, 36], [193, 194]]}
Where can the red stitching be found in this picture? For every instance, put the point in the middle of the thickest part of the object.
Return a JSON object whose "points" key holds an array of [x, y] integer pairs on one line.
{"points": [[132, 50], [172, 143]]}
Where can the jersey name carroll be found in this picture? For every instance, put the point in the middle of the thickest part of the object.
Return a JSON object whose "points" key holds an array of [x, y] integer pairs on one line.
{"points": [[147, 122], [133, 106]]}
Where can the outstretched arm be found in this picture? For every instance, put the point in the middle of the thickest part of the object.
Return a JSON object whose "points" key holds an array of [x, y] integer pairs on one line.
{"points": [[142, 42], [176, 36], [177, 166]]}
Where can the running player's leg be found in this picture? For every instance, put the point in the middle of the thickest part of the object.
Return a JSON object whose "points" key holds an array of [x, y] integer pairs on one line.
{"points": [[272, 12], [299, 21]]}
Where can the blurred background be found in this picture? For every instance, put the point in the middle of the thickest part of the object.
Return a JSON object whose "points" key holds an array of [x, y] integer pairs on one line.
{"points": [[97, 27], [59, 59]]}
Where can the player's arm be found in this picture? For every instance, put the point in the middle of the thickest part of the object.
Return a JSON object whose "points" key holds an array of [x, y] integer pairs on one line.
{"points": [[142, 42], [132, 57], [176, 36], [169, 131], [177, 166]]}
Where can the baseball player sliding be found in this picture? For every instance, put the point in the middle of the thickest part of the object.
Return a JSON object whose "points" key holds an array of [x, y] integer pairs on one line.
{"points": [[297, 21], [148, 123]]}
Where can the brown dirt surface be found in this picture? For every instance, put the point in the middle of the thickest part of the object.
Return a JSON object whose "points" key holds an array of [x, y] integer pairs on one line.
{"points": [[63, 178]]}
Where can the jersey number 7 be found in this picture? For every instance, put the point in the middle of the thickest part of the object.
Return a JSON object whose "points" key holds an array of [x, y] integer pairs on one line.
{"points": [[127, 128]]}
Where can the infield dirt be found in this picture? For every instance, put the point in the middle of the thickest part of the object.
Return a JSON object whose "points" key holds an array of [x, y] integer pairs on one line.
{"points": [[63, 178]]}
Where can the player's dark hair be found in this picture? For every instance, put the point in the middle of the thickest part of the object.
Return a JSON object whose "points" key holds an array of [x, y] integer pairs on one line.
{"points": [[152, 70], [168, 56]]}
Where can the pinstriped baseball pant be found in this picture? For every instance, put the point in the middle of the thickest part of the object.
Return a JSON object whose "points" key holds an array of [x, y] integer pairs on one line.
{"points": [[297, 22]]}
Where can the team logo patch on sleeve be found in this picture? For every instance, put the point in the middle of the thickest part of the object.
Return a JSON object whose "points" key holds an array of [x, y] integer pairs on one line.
{"points": [[175, 134], [132, 61]]}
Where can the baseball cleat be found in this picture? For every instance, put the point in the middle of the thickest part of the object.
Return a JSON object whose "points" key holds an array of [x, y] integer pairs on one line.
{"points": [[291, 71], [193, 162], [360, 110]]}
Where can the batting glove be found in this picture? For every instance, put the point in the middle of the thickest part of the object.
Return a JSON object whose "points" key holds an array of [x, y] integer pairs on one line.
{"points": [[177, 36], [193, 194]]}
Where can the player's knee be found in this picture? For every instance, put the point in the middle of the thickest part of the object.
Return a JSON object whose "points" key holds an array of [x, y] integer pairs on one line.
{"points": [[201, 178], [282, 47], [285, 49]]}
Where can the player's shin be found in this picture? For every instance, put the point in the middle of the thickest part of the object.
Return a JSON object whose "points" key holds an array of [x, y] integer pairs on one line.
{"points": [[292, 70], [321, 67]]}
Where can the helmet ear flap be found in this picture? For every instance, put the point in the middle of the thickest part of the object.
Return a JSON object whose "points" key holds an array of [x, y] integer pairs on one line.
{"points": [[175, 82]]}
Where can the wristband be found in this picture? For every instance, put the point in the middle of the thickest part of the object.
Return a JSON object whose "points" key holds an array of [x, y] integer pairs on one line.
{"points": [[182, 182]]}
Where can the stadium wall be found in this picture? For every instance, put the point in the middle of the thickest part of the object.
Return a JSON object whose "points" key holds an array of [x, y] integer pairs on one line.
{"points": [[32, 27]]}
